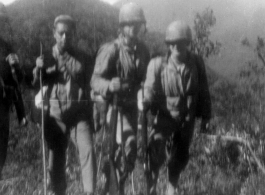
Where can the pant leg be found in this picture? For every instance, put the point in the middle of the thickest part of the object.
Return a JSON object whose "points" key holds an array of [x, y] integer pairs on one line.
{"points": [[129, 121], [176, 154], [180, 152], [56, 137], [157, 156], [4, 133], [81, 135]]}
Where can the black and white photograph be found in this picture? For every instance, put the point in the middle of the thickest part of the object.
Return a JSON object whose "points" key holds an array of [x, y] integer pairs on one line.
{"points": [[132, 97]]}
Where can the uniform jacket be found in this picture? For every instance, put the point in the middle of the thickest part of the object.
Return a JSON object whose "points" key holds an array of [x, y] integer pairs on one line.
{"points": [[179, 91], [67, 79], [115, 60], [9, 89]]}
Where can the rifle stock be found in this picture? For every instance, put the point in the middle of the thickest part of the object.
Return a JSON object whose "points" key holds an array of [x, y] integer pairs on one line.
{"points": [[113, 180]]}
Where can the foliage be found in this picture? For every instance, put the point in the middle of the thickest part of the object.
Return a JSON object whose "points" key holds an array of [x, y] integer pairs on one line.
{"points": [[202, 45], [96, 23]]}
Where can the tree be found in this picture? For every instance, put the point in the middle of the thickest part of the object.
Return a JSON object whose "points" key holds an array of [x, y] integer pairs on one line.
{"points": [[202, 45]]}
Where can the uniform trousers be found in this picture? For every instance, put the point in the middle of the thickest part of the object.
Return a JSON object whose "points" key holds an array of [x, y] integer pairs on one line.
{"points": [[57, 133], [169, 143]]}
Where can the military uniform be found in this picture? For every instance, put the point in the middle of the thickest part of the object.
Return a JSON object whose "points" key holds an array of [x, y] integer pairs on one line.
{"points": [[68, 115], [179, 93], [9, 95], [114, 59]]}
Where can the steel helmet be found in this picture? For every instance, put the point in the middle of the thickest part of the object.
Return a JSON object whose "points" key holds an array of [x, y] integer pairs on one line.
{"points": [[178, 30], [131, 12], [3, 13]]}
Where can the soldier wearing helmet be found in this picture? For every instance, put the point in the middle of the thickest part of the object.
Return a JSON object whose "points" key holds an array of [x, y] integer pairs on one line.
{"points": [[68, 115], [10, 77], [120, 67], [177, 85]]}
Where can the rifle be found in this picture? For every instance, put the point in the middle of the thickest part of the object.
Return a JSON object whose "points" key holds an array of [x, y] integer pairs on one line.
{"points": [[114, 184], [113, 180], [145, 145], [123, 161]]}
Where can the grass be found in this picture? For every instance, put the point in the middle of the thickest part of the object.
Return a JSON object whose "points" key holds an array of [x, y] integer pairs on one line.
{"points": [[206, 174]]}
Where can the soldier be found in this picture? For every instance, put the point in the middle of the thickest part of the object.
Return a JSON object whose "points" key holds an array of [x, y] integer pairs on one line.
{"points": [[64, 73], [176, 85], [10, 77], [120, 67]]}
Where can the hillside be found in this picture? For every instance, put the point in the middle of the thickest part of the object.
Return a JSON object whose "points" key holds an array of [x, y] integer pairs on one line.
{"points": [[32, 22]]}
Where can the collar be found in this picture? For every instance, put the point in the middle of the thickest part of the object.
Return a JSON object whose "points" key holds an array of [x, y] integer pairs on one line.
{"points": [[57, 55], [130, 50]]}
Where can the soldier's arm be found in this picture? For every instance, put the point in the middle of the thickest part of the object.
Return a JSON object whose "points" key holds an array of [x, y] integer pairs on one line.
{"points": [[146, 59], [19, 105], [18, 72], [204, 94], [18, 102], [152, 79], [104, 70], [48, 70]]}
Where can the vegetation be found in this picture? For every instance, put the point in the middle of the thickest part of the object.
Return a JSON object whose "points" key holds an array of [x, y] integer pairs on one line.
{"points": [[217, 166]]}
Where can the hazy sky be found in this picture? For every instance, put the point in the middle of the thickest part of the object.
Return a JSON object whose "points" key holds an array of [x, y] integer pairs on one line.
{"points": [[6, 2], [247, 16], [235, 20]]}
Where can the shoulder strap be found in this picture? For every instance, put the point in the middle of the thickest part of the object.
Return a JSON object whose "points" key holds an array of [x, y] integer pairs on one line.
{"points": [[117, 59]]}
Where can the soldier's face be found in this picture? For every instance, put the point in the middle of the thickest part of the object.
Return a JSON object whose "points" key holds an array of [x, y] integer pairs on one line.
{"points": [[178, 49], [131, 30], [63, 35]]}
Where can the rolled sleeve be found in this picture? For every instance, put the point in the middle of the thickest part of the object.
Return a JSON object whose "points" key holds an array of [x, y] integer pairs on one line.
{"points": [[152, 78], [105, 68]]}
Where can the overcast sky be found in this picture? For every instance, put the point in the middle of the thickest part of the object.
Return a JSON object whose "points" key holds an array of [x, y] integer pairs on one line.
{"points": [[6, 2], [235, 20], [245, 16]]}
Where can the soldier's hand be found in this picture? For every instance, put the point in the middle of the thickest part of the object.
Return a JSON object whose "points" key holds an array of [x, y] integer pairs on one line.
{"points": [[142, 102], [12, 59], [115, 85], [24, 122], [40, 62], [205, 126]]}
